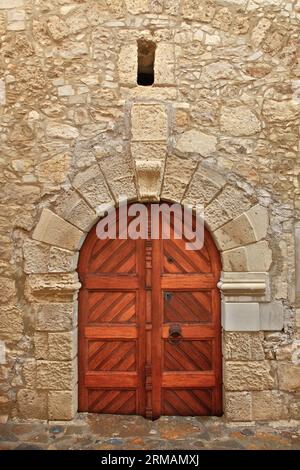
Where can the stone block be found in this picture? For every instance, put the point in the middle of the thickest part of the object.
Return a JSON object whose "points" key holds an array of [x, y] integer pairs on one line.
{"points": [[56, 375], [52, 287], [9, 4], [75, 210], [2, 93], [271, 316], [11, 323], [62, 261], [178, 173], [241, 316], [216, 215], [253, 258], [239, 121], [54, 170], [164, 72], [259, 219], [205, 184], [247, 376], [54, 317], [199, 11], [61, 131], [54, 230], [149, 122], [269, 405], [41, 345], [36, 256], [137, 6], [118, 170], [148, 151], [149, 175], [62, 405], [127, 64], [234, 201], [288, 376], [29, 373], [62, 346], [32, 404], [197, 142], [92, 186], [241, 346], [238, 406]]}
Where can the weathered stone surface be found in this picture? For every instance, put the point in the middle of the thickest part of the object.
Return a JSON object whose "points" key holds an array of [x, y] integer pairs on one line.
{"points": [[164, 64], [193, 10], [280, 111], [253, 258], [204, 186], [61, 131], [197, 142], [11, 323], [269, 405], [251, 375], [127, 64], [271, 316], [92, 186], [241, 316], [243, 346], [62, 261], [119, 172], [62, 405], [238, 406], [75, 210], [36, 256], [6, 4], [56, 231], [149, 122], [137, 6], [240, 121], [51, 287], [54, 316], [288, 376], [149, 179], [32, 404], [56, 375], [54, 170], [178, 173], [2, 92], [62, 346], [148, 151]]}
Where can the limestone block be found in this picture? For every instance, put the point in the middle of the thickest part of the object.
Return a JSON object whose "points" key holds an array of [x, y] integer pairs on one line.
{"points": [[288, 376], [41, 345], [32, 404], [245, 229], [62, 405], [178, 173], [252, 375], [54, 170], [118, 170], [7, 4], [221, 70], [295, 409], [29, 373], [62, 261], [11, 323], [137, 6], [197, 142], [289, 352], [62, 346], [271, 316], [127, 64], [244, 286], [238, 406], [233, 200], [194, 10], [269, 405], [57, 28], [75, 210], [149, 179], [205, 184], [241, 316], [260, 31], [56, 375], [91, 184], [215, 215], [253, 258], [148, 151], [61, 131], [164, 71], [239, 121], [243, 346], [56, 231], [149, 122], [51, 287], [8, 289], [36, 256], [54, 316], [281, 111], [2, 93]]}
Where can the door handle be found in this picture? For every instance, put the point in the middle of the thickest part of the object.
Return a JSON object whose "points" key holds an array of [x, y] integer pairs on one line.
{"points": [[175, 334]]}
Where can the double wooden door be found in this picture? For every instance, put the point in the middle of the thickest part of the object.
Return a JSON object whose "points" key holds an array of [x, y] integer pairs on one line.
{"points": [[149, 327]]}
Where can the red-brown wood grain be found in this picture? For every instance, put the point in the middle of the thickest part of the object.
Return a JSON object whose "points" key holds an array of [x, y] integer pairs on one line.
{"points": [[132, 292]]}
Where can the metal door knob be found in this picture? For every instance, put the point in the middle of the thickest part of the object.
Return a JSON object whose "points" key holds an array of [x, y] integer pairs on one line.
{"points": [[175, 334]]}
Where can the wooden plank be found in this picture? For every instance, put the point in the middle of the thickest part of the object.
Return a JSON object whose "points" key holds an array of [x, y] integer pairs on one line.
{"points": [[188, 379], [110, 332], [111, 380], [192, 331], [188, 281], [111, 282]]}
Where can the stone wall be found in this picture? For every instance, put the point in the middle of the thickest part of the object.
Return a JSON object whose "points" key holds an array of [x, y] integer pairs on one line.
{"points": [[219, 126]]}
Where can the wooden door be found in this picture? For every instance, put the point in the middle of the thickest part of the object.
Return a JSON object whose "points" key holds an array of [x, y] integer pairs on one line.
{"points": [[149, 327]]}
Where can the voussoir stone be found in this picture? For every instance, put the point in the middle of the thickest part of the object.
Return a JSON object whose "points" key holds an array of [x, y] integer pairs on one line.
{"points": [[54, 230]]}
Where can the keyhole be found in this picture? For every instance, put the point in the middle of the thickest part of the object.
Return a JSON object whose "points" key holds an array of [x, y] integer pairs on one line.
{"points": [[168, 296], [170, 259]]}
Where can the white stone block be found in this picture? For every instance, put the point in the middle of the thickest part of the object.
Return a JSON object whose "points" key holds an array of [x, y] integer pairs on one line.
{"points": [[9, 4], [241, 317], [2, 92], [271, 316]]}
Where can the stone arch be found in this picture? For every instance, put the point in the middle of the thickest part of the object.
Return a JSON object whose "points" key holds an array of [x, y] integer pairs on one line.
{"points": [[238, 225]]}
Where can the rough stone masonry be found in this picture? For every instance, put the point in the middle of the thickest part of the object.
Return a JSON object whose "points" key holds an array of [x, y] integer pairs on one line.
{"points": [[220, 125]]}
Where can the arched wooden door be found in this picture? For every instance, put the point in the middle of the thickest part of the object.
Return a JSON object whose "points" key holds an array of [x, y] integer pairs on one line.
{"points": [[149, 327]]}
